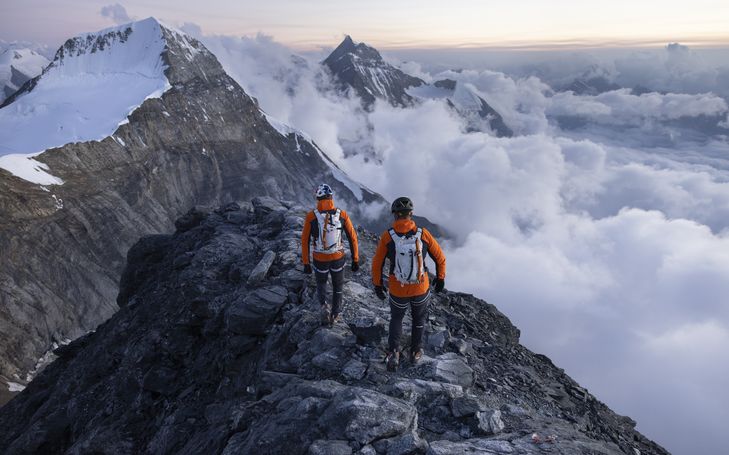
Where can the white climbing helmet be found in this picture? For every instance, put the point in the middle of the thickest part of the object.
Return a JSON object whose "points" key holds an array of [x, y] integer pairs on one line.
{"points": [[324, 190]]}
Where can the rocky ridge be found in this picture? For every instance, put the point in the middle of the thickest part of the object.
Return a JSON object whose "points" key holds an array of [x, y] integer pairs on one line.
{"points": [[217, 348]]}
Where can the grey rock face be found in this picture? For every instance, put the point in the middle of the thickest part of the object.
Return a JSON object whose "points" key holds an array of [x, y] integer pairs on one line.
{"points": [[368, 328], [252, 314], [469, 447], [194, 362], [452, 369], [465, 406], [489, 422], [358, 414], [324, 447], [204, 143], [261, 269]]}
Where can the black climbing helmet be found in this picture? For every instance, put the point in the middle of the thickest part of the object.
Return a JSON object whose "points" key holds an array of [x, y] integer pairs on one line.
{"points": [[402, 204]]}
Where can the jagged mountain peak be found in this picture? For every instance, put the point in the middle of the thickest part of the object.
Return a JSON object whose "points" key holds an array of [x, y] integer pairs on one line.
{"points": [[17, 66], [349, 47], [362, 68]]}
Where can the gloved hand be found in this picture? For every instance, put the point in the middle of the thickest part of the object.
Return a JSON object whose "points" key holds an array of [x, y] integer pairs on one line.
{"points": [[439, 285], [355, 266], [380, 291], [307, 269]]}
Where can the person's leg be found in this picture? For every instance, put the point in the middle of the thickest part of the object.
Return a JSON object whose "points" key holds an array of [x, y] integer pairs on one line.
{"points": [[397, 314], [419, 313], [321, 271], [337, 271]]}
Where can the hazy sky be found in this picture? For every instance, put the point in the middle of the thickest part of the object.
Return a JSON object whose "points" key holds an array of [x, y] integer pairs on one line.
{"points": [[388, 24]]}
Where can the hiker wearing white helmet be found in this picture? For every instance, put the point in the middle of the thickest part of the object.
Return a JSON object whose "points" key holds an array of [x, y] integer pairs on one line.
{"points": [[323, 231]]}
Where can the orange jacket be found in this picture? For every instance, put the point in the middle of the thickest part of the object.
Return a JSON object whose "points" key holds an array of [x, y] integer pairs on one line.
{"points": [[311, 229], [386, 249]]}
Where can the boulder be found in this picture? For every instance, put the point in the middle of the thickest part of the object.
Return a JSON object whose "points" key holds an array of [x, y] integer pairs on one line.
{"points": [[365, 416], [368, 328], [252, 314], [404, 444], [470, 447], [451, 368], [332, 447], [354, 369], [261, 269], [465, 406], [489, 422]]}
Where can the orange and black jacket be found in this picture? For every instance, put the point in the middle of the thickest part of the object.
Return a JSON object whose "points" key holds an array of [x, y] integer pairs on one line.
{"points": [[386, 249], [311, 230]]}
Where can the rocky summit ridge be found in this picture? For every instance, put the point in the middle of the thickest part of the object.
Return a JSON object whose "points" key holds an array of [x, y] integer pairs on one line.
{"points": [[217, 348]]}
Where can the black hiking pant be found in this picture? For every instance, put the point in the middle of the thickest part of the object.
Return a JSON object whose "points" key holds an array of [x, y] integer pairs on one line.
{"points": [[322, 271], [418, 312]]}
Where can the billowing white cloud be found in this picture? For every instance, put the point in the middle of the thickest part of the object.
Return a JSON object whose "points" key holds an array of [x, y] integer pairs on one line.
{"points": [[613, 259], [621, 107], [116, 12], [290, 88]]}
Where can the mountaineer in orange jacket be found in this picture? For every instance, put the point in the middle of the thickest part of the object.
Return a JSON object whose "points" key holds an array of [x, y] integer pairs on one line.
{"points": [[406, 246], [323, 229]]}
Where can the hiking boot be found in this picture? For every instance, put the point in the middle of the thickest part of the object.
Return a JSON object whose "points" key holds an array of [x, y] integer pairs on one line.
{"points": [[336, 318], [326, 317], [415, 356], [392, 359]]}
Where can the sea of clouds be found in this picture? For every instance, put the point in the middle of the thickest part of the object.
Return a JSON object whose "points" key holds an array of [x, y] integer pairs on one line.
{"points": [[607, 244]]}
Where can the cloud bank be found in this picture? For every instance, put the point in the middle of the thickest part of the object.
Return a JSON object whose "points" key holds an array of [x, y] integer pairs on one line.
{"points": [[610, 250], [116, 12]]}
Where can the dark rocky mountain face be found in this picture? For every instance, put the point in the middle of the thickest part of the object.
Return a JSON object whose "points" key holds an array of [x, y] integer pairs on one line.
{"points": [[204, 142], [217, 348], [362, 68]]}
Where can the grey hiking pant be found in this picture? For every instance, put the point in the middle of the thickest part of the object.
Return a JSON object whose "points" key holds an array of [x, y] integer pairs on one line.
{"points": [[322, 270], [418, 312]]}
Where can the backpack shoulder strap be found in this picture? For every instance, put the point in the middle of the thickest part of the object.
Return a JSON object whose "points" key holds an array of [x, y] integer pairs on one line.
{"points": [[393, 235]]}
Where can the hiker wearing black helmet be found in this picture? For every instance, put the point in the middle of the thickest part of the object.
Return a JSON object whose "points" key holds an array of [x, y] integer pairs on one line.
{"points": [[406, 246], [323, 229]]}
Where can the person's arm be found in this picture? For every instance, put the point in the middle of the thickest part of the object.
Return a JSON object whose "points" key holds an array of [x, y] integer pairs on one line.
{"points": [[436, 253], [305, 237], [351, 236], [378, 261]]}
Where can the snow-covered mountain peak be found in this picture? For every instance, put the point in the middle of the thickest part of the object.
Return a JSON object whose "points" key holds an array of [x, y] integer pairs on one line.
{"points": [[17, 66], [93, 83], [133, 47]]}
